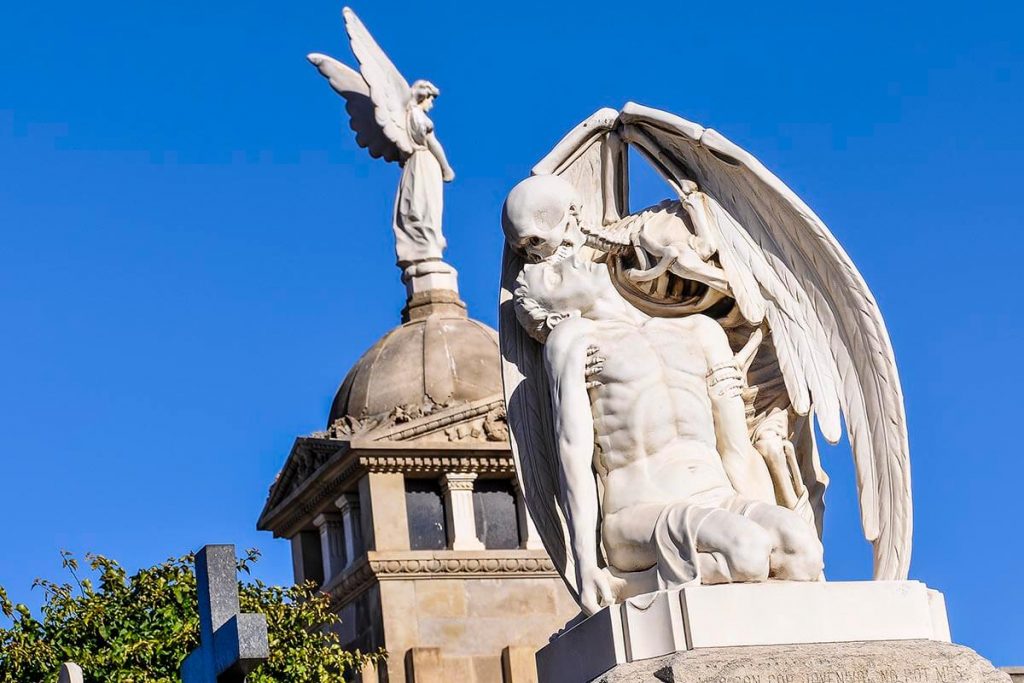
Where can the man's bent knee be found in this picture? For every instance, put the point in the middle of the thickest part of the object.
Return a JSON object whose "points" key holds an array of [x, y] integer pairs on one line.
{"points": [[749, 558], [800, 557]]}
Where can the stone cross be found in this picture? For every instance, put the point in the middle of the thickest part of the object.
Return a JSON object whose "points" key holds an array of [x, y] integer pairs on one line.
{"points": [[231, 644]]}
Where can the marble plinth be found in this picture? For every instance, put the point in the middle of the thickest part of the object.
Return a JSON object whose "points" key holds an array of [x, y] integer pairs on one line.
{"points": [[775, 613]]}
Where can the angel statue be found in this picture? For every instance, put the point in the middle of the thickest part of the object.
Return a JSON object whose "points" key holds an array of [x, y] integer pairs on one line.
{"points": [[390, 120], [663, 368]]}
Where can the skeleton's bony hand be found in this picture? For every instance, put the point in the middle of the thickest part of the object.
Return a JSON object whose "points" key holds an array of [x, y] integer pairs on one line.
{"points": [[593, 368], [599, 589], [780, 457]]}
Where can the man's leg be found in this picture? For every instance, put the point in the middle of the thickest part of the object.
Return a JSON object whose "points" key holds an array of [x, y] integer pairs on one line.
{"points": [[729, 547], [797, 554], [732, 548]]}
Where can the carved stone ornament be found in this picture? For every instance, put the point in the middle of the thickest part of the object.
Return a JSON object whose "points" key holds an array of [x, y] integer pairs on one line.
{"points": [[491, 564], [661, 368]]}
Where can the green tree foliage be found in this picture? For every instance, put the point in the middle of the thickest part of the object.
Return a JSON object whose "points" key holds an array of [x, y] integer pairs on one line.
{"points": [[139, 628]]}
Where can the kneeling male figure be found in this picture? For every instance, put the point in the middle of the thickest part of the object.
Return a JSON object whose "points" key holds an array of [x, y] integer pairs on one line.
{"points": [[663, 426]]}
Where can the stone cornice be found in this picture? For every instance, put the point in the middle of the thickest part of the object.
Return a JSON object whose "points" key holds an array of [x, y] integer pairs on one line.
{"points": [[342, 463], [470, 437], [374, 567]]}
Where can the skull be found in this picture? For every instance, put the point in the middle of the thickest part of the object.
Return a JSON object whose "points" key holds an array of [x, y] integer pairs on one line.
{"points": [[540, 216]]}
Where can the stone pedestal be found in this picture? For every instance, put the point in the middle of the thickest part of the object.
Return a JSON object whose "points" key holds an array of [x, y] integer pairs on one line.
{"points": [[885, 661], [697, 618]]}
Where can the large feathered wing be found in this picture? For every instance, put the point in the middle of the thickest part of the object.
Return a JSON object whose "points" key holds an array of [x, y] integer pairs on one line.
{"points": [[350, 85], [531, 428], [833, 348], [389, 90]]}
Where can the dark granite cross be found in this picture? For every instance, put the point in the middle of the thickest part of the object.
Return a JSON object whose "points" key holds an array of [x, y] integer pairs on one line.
{"points": [[231, 644]]}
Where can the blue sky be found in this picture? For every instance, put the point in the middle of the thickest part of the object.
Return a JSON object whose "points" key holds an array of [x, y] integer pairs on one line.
{"points": [[193, 251]]}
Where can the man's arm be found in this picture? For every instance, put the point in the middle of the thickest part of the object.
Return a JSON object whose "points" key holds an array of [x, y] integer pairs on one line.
{"points": [[744, 465], [565, 357]]}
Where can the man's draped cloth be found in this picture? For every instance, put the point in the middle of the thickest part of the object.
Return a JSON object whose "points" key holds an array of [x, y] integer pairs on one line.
{"points": [[676, 533]]}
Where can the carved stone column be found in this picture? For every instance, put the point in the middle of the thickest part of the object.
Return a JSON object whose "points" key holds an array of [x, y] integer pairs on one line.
{"points": [[529, 538], [332, 543], [348, 506], [457, 488]]}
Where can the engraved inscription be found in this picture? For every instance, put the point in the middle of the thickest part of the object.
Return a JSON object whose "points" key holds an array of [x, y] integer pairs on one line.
{"points": [[918, 674]]}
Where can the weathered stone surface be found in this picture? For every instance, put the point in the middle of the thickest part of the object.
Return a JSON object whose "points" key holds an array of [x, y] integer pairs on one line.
{"points": [[423, 664], [1016, 673], [493, 596], [70, 673], [435, 361], [488, 669], [518, 665], [231, 643], [440, 599], [909, 661]]}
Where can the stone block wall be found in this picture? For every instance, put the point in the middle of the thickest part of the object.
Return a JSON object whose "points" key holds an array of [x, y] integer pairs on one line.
{"points": [[457, 629]]}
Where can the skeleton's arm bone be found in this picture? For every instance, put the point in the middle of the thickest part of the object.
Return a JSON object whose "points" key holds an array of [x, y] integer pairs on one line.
{"points": [[696, 207], [565, 358], [746, 469]]}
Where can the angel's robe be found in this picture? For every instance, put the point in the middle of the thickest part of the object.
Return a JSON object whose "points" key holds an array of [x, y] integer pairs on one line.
{"points": [[417, 220]]}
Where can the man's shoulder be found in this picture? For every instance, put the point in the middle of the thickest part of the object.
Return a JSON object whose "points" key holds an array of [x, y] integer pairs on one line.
{"points": [[568, 334]]}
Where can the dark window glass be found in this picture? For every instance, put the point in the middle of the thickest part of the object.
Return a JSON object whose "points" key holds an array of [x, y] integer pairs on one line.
{"points": [[425, 509], [494, 506], [307, 556]]}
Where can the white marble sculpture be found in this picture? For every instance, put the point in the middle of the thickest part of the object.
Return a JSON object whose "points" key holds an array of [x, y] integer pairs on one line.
{"points": [[662, 367], [390, 119]]}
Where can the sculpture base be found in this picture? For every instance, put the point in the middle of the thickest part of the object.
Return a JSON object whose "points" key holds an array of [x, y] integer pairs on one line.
{"points": [[774, 613], [432, 288], [887, 661]]}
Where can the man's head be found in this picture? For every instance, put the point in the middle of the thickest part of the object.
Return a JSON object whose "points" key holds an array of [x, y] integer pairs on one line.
{"points": [[552, 291], [540, 215]]}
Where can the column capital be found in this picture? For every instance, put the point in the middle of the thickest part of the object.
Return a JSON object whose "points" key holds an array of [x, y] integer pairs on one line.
{"points": [[457, 481], [327, 517], [347, 502]]}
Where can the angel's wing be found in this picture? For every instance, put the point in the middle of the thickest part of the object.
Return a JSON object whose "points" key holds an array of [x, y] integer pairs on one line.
{"points": [[531, 426], [349, 84], [389, 91], [833, 348], [596, 167]]}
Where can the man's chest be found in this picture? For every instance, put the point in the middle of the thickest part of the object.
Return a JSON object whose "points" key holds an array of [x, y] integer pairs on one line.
{"points": [[649, 353]]}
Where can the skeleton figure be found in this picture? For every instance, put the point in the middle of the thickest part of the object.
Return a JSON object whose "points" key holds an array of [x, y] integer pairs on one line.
{"points": [[734, 256], [668, 247], [542, 214]]}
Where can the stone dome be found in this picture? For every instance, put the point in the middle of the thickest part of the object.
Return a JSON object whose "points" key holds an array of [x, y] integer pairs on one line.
{"points": [[436, 360]]}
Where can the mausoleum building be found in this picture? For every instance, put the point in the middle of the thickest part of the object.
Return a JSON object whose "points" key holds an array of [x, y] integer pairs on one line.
{"points": [[407, 512]]}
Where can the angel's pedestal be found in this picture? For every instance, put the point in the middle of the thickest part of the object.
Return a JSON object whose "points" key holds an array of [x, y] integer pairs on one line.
{"points": [[709, 634]]}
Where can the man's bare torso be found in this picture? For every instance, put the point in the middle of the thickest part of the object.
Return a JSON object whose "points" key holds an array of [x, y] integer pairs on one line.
{"points": [[653, 420]]}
